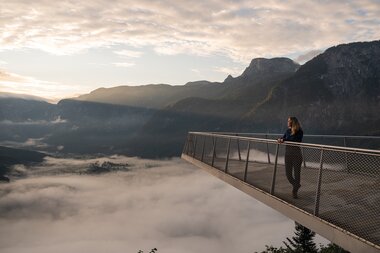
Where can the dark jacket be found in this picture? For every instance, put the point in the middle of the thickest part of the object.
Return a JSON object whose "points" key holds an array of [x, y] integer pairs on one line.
{"points": [[289, 137], [290, 150]]}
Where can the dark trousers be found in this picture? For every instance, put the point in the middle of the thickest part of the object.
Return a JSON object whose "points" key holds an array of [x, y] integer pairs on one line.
{"points": [[293, 161]]}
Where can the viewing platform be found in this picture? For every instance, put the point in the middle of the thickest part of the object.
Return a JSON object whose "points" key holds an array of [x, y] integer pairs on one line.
{"points": [[339, 197]]}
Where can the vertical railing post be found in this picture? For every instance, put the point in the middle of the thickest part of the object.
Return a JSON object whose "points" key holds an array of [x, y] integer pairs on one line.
{"points": [[213, 150], [345, 155], [303, 157], [238, 147], [203, 147], [319, 183], [266, 137], [274, 170], [228, 154], [185, 148], [195, 145], [189, 145], [247, 161]]}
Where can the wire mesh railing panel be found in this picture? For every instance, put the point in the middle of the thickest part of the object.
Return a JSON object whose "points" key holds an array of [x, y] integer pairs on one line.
{"points": [[293, 176], [311, 158], [236, 169], [235, 149], [243, 149], [189, 145], [237, 158], [349, 198], [208, 151], [363, 164], [259, 152], [198, 146], [260, 165], [221, 150], [338, 184]]}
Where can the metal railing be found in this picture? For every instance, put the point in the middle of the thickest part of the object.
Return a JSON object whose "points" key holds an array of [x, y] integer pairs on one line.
{"points": [[339, 184], [353, 141]]}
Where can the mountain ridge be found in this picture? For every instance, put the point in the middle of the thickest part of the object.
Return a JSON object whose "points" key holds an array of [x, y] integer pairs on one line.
{"points": [[335, 89], [337, 92], [159, 96]]}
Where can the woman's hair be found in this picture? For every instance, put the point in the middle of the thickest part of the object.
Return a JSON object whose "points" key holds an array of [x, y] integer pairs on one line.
{"points": [[295, 126]]}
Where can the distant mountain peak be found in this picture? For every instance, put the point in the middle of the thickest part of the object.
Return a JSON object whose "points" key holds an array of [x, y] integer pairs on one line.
{"points": [[201, 82], [21, 96], [228, 79], [260, 66]]}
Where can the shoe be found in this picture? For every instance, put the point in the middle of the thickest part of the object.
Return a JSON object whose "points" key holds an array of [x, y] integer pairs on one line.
{"points": [[295, 195]]}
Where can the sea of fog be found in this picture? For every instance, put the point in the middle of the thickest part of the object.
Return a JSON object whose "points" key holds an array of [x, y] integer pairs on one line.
{"points": [[123, 204]]}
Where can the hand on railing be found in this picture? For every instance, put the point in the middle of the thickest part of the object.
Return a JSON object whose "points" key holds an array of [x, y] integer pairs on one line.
{"points": [[280, 140]]}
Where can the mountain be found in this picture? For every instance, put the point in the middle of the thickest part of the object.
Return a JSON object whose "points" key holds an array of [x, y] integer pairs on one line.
{"points": [[14, 108], [96, 127], [336, 92], [70, 126], [152, 96], [260, 71], [261, 68], [23, 119], [243, 92], [240, 95], [21, 96], [12, 156]]}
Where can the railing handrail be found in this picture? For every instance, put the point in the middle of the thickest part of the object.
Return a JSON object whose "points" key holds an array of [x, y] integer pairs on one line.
{"points": [[306, 145], [305, 135]]}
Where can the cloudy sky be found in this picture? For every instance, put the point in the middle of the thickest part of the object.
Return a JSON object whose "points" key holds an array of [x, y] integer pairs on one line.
{"points": [[57, 49], [59, 207]]}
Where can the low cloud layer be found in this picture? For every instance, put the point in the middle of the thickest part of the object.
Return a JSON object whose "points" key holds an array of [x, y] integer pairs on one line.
{"points": [[241, 30], [60, 207], [33, 122]]}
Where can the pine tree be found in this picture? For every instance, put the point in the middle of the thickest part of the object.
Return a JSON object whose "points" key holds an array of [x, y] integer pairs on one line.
{"points": [[154, 250], [271, 249], [302, 242], [332, 248]]}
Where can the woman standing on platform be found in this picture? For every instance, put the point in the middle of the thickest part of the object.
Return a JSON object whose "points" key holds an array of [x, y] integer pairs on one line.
{"points": [[293, 154]]}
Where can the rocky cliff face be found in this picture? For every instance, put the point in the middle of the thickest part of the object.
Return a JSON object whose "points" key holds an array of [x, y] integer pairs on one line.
{"points": [[353, 70], [336, 92], [262, 66], [263, 70]]}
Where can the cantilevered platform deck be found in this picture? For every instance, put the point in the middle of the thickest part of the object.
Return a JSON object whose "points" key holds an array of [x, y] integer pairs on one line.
{"points": [[339, 196]]}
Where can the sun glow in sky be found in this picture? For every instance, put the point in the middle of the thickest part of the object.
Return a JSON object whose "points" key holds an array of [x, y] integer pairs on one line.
{"points": [[60, 49]]}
